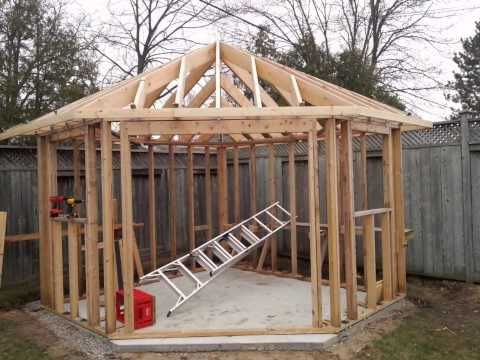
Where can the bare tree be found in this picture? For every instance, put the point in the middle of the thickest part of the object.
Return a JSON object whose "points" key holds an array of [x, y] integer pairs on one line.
{"points": [[146, 32], [384, 34]]}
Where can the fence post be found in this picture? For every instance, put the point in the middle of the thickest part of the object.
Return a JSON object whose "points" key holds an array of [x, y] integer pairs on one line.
{"points": [[467, 198]]}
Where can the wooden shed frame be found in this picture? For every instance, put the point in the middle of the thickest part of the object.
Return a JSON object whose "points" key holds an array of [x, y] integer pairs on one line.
{"points": [[314, 111]]}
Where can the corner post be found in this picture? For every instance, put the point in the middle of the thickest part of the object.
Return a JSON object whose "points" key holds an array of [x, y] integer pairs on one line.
{"points": [[45, 247], [399, 210]]}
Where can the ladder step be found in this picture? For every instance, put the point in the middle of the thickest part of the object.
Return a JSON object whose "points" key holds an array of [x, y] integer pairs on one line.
{"points": [[204, 261], [172, 285], [263, 225], [187, 273], [220, 252], [274, 218], [249, 236], [235, 243]]}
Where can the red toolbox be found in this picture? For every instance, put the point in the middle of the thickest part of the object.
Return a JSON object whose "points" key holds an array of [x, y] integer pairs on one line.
{"points": [[143, 308]]}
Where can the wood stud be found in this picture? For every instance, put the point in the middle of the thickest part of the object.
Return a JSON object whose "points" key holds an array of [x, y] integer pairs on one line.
{"points": [[292, 192], [399, 210], [190, 201], [108, 225], [333, 224], [172, 201], [314, 220], [127, 227], [346, 185], [388, 221], [91, 232], [152, 221]]}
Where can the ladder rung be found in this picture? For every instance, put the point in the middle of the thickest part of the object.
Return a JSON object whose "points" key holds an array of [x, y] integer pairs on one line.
{"points": [[263, 225], [220, 251], [235, 243], [184, 270], [172, 285], [274, 217], [204, 260], [278, 206], [249, 236]]}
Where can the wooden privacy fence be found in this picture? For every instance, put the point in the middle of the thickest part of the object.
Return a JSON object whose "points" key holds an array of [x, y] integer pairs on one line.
{"points": [[442, 189]]}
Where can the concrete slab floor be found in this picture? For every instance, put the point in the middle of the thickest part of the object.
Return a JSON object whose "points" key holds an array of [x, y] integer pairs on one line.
{"points": [[237, 299], [240, 300]]}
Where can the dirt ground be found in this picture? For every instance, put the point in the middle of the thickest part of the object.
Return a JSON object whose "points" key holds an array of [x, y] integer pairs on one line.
{"points": [[443, 323]]}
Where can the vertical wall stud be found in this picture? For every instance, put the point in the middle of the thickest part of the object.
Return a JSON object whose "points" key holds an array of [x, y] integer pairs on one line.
{"points": [[388, 191], [190, 201], [151, 208], [222, 188], [313, 213], [55, 232], [369, 261], [272, 198], [333, 226], [292, 191], [208, 193], [73, 239], [127, 226], [236, 185], [347, 192], [107, 227], [91, 232], [172, 201]]}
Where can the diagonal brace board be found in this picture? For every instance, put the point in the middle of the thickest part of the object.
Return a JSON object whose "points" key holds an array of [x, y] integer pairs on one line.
{"points": [[225, 259]]}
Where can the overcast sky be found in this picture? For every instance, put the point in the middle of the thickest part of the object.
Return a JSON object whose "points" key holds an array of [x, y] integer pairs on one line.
{"points": [[456, 20]]}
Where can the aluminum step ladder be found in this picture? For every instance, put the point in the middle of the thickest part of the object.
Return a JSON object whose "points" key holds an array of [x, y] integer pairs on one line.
{"points": [[238, 241]]}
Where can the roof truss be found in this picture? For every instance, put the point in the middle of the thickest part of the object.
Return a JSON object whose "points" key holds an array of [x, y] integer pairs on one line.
{"points": [[242, 97]]}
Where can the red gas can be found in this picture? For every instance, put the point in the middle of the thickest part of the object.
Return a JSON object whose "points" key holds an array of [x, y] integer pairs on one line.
{"points": [[143, 308]]}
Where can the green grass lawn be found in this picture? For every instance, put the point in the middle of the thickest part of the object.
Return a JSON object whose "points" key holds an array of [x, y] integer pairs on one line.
{"points": [[448, 327], [14, 346]]}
